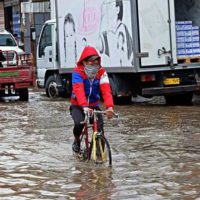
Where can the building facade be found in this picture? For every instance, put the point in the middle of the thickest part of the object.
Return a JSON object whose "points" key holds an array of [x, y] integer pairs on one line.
{"points": [[2, 21], [19, 16]]}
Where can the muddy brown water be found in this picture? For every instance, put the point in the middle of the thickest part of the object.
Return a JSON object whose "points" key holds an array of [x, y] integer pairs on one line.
{"points": [[156, 153]]}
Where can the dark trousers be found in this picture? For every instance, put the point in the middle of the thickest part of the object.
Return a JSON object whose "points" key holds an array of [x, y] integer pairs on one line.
{"points": [[78, 116]]}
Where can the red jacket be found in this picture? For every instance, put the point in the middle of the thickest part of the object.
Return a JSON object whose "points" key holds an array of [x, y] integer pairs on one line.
{"points": [[86, 93]]}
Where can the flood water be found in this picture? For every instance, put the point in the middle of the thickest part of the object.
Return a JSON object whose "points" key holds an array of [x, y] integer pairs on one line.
{"points": [[155, 149]]}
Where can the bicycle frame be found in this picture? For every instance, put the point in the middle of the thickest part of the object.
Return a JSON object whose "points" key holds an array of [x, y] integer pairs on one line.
{"points": [[85, 134], [97, 148], [94, 136]]}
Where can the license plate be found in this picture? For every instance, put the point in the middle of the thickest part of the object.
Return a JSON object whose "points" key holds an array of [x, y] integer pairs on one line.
{"points": [[172, 81]]}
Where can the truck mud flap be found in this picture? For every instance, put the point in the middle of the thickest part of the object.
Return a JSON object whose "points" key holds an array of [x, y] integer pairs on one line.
{"points": [[157, 91]]}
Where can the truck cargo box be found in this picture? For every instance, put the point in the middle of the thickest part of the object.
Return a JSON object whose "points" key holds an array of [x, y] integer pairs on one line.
{"points": [[128, 34], [148, 47]]}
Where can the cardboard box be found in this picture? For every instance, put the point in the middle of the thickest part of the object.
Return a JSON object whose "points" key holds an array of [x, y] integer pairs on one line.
{"points": [[195, 31], [188, 45], [180, 45], [189, 39], [180, 39], [195, 38], [180, 33], [181, 52], [196, 50], [195, 44]]}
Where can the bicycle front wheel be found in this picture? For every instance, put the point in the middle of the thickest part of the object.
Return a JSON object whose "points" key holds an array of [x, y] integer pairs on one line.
{"points": [[100, 151]]}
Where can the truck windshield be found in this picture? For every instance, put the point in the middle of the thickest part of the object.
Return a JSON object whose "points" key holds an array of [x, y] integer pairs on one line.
{"points": [[7, 40]]}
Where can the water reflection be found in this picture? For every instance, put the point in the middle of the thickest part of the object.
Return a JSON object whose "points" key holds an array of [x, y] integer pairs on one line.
{"points": [[156, 153], [89, 182]]}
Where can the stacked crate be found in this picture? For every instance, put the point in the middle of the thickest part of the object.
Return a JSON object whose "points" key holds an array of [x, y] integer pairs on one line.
{"points": [[187, 39]]}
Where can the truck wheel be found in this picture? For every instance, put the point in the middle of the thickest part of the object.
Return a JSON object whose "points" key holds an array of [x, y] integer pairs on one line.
{"points": [[180, 99], [23, 94], [52, 87]]}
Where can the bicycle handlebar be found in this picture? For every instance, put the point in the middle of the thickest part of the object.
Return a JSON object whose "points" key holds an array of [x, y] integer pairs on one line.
{"points": [[87, 115], [104, 112]]}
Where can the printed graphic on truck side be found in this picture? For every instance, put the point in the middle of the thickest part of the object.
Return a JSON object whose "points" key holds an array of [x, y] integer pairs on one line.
{"points": [[104, 24]]}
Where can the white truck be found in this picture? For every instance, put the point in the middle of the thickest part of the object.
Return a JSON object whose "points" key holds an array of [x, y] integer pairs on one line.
{"points": [[148, 47], [8, 43]]}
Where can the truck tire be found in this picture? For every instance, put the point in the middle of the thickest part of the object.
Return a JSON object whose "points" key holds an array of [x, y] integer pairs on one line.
{"points": [[179, 99], [51, 87], [23, 94]]}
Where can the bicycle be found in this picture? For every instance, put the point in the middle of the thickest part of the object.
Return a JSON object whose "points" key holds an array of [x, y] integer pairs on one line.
{"points": [[98, 148]]}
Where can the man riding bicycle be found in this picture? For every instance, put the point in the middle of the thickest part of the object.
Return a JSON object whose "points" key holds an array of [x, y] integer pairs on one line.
{"points": [[89, 79]]}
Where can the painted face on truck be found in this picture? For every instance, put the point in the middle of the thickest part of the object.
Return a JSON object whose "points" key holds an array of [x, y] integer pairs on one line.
{"points": [[114, 14], [70, 41]]}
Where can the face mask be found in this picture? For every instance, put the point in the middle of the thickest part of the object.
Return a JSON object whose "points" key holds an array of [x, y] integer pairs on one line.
{"points": [[91, 70]]}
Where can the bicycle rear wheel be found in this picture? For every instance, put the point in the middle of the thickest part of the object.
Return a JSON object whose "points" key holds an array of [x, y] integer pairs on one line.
{"points": [[100, 152]]}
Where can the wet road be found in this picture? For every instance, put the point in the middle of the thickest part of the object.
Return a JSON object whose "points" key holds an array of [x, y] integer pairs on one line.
{"points": [[156, 153]]}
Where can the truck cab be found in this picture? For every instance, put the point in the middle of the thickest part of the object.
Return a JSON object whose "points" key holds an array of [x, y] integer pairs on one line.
{"points": [[46, 52], [48, 70], [9, 44]]}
